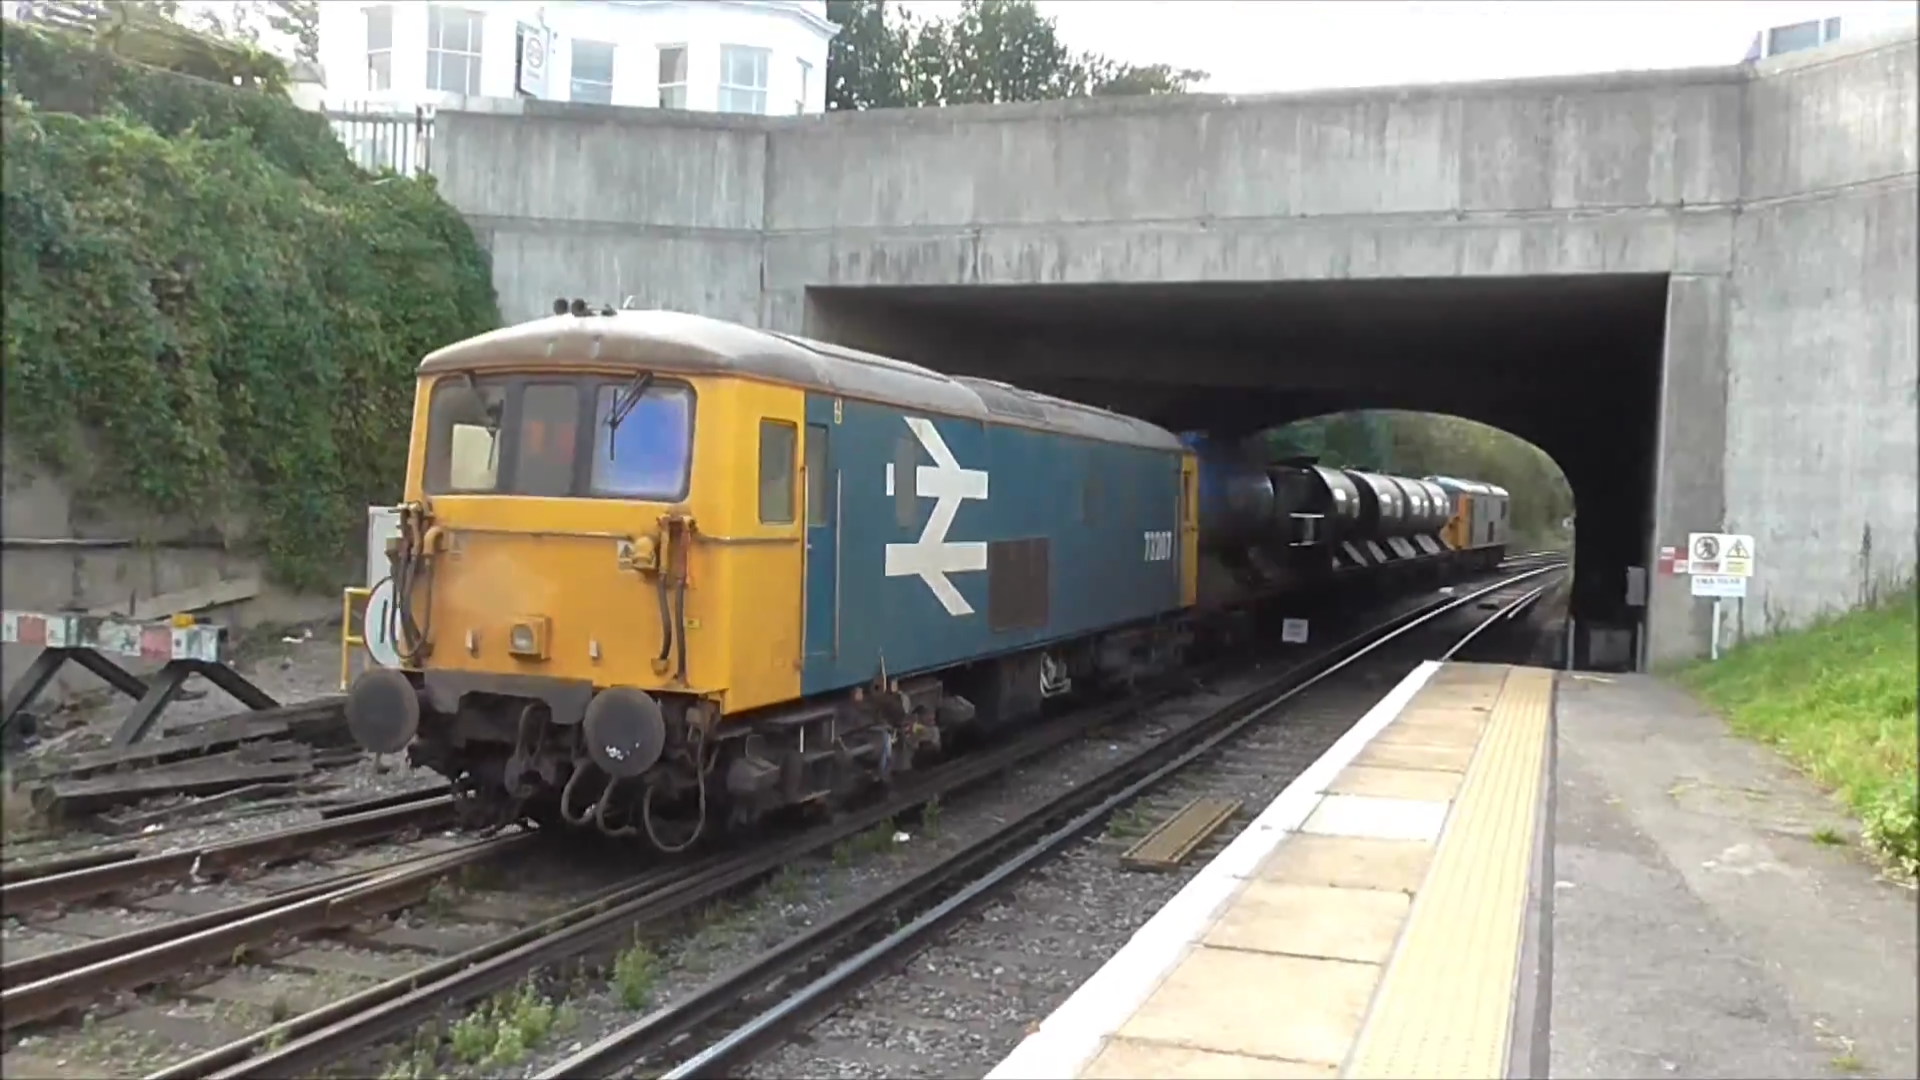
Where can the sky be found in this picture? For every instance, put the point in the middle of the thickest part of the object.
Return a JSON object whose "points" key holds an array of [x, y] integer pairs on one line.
{"points": [[1273, 46], [1267, 46]]}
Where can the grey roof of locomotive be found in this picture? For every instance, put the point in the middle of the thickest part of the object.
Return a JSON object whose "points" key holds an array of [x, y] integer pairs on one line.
{"points": [[671, 341]]}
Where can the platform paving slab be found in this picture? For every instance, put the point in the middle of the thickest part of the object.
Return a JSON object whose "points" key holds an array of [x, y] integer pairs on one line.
{"points": [[1130, 1059], [1349, 863], [1402, 756], [1309, 1010], [1314, 921], [1377, 818], [1699, 930], [1425, 785]]}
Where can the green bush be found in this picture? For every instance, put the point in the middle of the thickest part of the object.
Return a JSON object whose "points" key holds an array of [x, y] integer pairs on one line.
{"points": [[1891, 825], [209, 308]]}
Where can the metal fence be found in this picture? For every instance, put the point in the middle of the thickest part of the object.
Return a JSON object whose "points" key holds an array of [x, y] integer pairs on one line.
{"points": [[385, 140]]}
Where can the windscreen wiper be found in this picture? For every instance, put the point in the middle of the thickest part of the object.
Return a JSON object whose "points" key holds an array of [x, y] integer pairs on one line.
{"points": [[629, 398]]}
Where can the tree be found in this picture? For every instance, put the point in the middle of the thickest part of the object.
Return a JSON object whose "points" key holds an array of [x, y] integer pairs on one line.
{"points": [[994, 51], [150, 32], [300, 21], [866, 62], [295, 21]]}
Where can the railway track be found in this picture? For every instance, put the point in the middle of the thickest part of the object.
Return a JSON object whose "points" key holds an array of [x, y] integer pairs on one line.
{"points": [[310, 1042], [397, 1009], [735, 1019], [588, 924], [33, 887], [37, 986]]}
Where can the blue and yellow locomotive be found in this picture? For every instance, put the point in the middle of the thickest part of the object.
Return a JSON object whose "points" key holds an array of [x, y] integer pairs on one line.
{"points": [[657, 572]]}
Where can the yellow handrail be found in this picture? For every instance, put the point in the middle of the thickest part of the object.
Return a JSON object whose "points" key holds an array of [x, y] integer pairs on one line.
{"points": [[349, 639]]}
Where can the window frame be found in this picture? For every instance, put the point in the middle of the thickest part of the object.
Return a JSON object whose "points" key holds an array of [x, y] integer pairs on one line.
{"points": [[574, 81], [437, 15], [378, 80], [806, 87], [662, 86], [518, 411], [590, 437], [1815, 27], [791, 432], [435, 469], [763, 58]]}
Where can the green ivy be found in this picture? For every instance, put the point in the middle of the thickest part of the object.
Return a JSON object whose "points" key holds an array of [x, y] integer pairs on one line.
{"points": [[209, 308]]}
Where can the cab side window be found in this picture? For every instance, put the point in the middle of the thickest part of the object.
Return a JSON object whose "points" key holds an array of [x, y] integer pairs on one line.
{"points": [[778, 440], [816, 474]]}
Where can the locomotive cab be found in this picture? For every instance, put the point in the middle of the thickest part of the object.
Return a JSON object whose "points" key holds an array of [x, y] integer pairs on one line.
{"points": [[566, 592]]}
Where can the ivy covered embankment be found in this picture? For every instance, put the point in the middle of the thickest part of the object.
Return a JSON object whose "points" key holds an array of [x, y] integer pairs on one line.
{"points": [[209, 309]]}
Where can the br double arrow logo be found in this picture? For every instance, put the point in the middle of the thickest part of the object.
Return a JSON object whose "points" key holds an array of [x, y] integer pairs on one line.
{"points": [[933, 556]]}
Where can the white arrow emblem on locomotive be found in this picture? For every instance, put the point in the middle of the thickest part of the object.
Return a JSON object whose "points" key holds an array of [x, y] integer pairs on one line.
{"points": [[933, 556]]}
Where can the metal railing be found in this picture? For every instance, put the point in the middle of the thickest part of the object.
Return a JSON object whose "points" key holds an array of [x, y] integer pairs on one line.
{"points": [[386, 139]]}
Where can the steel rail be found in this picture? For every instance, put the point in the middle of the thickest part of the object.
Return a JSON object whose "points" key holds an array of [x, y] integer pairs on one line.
{"points": [[1505, 613], [87, 883], [15, 873], [341, 906], [237, 1051], [20, 971]]}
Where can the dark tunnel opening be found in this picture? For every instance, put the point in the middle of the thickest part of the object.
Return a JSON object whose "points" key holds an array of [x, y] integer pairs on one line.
{"points": [[1571, 364]]}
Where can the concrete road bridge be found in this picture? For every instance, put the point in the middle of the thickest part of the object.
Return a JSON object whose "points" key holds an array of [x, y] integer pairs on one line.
{"points": [[1694, 289]]}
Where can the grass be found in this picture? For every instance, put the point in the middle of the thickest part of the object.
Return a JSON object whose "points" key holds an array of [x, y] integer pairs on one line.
{"points": [[635, 972], [492, 1039], [1129, 822], [1837, 699]]}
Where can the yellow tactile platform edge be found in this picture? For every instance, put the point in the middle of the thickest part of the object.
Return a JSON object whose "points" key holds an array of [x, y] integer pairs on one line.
{"points": [[1444, 1008]]}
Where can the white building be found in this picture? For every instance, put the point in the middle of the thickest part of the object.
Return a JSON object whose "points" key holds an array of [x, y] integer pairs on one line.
{"points": [[767, 57]]}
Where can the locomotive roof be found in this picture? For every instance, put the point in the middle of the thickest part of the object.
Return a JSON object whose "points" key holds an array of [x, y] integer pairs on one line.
{"points": [[672, 341]]}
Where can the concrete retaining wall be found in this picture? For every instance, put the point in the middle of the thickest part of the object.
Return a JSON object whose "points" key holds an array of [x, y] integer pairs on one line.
{"points": [[119, 578], [1823, 331]]}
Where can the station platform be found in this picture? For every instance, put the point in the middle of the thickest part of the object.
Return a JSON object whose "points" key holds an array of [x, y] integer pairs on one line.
{"points": [[1383, 917]]}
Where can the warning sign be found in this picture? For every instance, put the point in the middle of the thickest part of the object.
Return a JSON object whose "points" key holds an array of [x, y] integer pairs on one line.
{"points": [[1738, 558], [1720, 555]]}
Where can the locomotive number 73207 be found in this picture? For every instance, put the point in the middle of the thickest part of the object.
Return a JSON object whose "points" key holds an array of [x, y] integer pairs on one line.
{"points": [[1159, 545]]}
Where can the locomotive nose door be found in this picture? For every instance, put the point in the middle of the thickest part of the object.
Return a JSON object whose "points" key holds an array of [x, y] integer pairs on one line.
{"points": [[822, 604]]}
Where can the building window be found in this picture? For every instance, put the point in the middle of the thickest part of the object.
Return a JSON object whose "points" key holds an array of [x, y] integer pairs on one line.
{"points": [[380, 47], [806, 85], [453, 50], [592, 72], [673, 76], [1806, 35], [743, 80]]}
